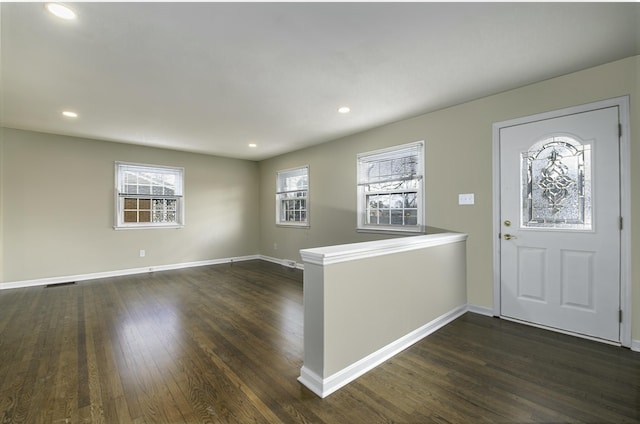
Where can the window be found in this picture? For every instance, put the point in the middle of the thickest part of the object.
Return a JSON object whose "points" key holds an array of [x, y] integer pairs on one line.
{"points": [[292, 195], [390, 189], [148, 196]]}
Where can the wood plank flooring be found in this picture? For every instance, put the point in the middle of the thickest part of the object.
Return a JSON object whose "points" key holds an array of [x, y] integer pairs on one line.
{"points": [[223, 344]]}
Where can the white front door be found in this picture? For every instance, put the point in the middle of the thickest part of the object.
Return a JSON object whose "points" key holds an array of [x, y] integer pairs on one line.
{"points": [[560, 223]]}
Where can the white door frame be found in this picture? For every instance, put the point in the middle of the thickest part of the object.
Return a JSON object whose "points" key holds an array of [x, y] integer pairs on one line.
{"points": [[625, 202]]}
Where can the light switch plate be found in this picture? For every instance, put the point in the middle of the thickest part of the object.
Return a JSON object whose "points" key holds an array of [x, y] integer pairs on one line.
{"points": [[466, 199]]}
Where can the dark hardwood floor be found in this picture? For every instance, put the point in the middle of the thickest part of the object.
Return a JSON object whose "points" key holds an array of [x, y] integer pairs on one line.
{"points": [[223, 344]]}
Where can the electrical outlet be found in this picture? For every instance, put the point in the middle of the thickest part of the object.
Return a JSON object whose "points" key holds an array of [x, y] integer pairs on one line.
{"points": [[275, 246], [142, 253], [466, 199]]}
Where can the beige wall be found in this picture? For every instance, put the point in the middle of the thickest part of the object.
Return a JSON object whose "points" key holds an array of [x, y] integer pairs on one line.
{"points": [[635, 204], [58, 208], [361, 317], [458, 160], [1, 203], [355, 308]]}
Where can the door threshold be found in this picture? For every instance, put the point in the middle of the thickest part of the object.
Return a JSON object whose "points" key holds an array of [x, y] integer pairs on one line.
{"points": [[558, 330]]}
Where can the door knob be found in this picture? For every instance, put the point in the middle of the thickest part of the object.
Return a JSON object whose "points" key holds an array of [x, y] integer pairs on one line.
{"points": [[509, 237]]}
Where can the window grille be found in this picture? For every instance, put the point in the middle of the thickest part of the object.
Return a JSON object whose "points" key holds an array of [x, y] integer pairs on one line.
{"points": [[292, 197], [148, 196], [390, 189]]}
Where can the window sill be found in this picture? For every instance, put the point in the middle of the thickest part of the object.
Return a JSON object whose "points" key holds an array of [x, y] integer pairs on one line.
{"points": [[303, 226], [147, 227], [394, 231]]}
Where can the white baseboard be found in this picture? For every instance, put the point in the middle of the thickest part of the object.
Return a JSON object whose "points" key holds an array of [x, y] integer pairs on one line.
{"points": [[635, 345], [121, 272], [324, 387], [481, 310], [284, 262], [313, 382]]}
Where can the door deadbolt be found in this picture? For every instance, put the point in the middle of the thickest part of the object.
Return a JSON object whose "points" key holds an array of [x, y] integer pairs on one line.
{"points": [[507, 223]]}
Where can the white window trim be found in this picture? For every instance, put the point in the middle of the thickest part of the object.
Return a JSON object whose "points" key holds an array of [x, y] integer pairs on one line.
{"points": [[287, 224], [119, 223], [362, 227]]}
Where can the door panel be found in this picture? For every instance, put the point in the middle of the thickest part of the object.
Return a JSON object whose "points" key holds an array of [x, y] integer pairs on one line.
{"points": [[531, 283], [560, 209], [577, 279]]}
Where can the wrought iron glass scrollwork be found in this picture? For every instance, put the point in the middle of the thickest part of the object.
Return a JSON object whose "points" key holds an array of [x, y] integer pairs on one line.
{"points": [[556, 184]]}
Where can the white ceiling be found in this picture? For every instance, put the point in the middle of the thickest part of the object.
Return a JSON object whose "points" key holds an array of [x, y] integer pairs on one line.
{"points": [[214, 77]]}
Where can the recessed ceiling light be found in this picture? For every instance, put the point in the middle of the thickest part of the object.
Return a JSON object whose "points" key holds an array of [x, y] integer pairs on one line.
{"points": [[253, 145], [70, 114], [344, 109], [61, 11]]}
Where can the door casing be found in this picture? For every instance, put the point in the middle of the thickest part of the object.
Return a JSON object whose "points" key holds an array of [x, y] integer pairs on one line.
{"points": [[625, 202]]}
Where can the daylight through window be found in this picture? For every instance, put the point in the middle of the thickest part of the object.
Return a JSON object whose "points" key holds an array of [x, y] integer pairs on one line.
{"points": [[390, 189], [148, 196], [292, 197]]}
